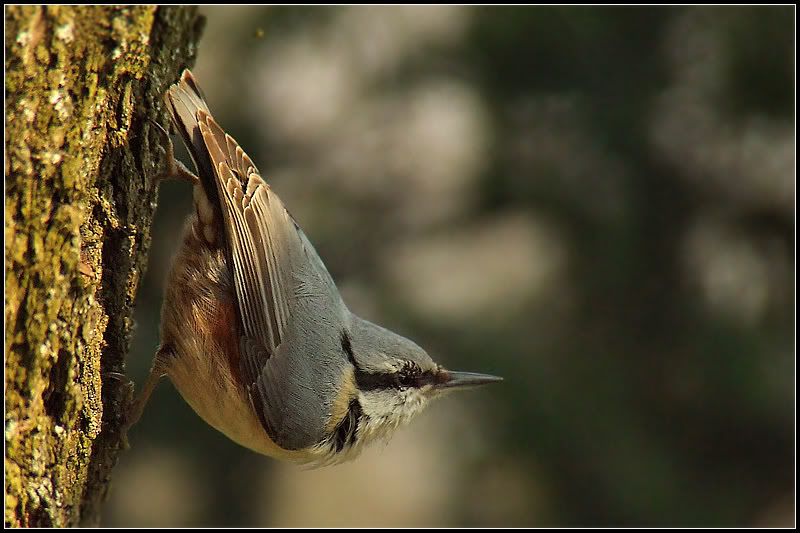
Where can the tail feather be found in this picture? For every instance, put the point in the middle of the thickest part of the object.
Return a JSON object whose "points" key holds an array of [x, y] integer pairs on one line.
{"points": [[184, 101]]}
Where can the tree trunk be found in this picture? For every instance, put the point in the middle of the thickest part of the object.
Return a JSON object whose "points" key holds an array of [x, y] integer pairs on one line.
{"points": [[82, 84]]}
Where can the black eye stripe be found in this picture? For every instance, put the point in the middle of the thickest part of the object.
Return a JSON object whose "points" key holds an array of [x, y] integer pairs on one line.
{"points": [[367, 381], [409, 376]]}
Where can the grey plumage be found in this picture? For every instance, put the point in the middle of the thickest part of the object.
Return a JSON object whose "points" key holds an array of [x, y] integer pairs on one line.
{"points": [[316, 376], [290, 310]]}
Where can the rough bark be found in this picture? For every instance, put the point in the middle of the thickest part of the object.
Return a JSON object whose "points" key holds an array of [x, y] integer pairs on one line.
{"points": [[82, 84]]}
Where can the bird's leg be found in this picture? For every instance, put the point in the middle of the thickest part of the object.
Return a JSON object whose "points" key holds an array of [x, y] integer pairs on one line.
{"points": [[175, 169], [136, 407]]}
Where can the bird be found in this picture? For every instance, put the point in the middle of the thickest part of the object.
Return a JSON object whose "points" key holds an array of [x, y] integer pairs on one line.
{"points": [[254, 333]]}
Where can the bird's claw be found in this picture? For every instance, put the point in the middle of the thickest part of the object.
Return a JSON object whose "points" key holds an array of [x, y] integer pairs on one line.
{"points": [[175, 169]]}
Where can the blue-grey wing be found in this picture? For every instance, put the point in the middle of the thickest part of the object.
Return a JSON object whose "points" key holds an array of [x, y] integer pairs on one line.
{"points": [[291, 312]]}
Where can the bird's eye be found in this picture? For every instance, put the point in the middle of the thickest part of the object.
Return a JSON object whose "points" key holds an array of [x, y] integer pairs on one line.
{"points": [[408, 375]]}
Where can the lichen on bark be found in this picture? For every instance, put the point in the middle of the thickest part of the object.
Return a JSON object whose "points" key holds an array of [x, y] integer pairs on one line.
{"points": [[82, 85]]}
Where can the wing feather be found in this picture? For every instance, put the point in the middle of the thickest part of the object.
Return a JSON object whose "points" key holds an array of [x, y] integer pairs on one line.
{"points": [[253, 218], [275, 269]]}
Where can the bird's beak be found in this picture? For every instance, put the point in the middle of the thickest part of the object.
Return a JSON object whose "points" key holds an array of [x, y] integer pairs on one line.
{"points": [[459, 380]]}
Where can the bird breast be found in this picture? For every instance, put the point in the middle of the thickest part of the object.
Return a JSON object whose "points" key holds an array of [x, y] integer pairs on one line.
{"points": [[199, 324]]}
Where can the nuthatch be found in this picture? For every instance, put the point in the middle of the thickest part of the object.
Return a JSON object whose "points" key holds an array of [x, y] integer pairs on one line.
{"points": [[254, 333]]}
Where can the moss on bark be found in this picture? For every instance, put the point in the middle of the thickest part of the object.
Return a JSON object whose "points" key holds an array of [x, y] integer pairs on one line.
{"points": [[82, 84]]}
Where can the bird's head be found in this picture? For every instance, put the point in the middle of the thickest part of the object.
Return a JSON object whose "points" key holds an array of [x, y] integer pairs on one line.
{"points": [[393, 379]]}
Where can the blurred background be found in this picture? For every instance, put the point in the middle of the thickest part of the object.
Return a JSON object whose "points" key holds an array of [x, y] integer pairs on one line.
{"points": [[596, 203]]}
